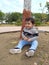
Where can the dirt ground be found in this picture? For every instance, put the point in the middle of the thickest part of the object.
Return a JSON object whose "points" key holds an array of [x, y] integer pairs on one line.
{"points": [[9, 40]]}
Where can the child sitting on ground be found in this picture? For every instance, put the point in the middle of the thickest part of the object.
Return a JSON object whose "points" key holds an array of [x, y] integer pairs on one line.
{"points": [[29, 36]]}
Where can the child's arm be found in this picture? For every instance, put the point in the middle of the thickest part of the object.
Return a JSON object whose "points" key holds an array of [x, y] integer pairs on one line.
{"points": [[32, 39], [35, 35], [23, 33], [24, 37]]}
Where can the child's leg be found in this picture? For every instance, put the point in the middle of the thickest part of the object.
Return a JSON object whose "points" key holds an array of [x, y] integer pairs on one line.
{"points": [[21, 44], [32, 49], [18, 48], [34, 45]]}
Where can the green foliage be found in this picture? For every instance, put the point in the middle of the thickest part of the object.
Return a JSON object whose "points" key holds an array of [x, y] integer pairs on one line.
{"points": [[38, 16], [18, 23], [13, 17], [47, 5], [38, 23], [1, 15], [16, 18], [47, 17]]}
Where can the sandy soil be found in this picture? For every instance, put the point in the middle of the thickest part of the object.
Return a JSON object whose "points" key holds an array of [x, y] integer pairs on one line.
{"points": [[9, 40]]}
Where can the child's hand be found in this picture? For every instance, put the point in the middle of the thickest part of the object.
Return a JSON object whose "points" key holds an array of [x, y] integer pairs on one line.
{"points": [[29, 40], [25, 38]]}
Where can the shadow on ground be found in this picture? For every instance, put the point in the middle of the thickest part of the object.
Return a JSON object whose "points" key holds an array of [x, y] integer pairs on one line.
{"points": [[9, 40]]}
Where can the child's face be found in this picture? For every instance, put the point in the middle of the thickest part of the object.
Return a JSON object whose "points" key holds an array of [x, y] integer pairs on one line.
{"points": [[28, 24]]}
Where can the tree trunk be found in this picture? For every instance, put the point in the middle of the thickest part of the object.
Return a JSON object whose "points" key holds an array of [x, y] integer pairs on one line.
{"points": [[26, 13]]}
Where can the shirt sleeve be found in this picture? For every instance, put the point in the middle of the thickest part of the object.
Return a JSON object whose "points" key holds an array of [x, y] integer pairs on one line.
{"points": [[35, 34], [34, 38], [23, 35]]}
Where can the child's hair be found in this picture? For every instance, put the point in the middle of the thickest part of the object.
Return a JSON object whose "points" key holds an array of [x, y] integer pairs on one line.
{"points": [[30, 19]]}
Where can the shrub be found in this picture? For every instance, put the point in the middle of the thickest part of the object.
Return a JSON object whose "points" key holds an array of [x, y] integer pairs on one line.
{"points": [[18, 23], [38, 23]]}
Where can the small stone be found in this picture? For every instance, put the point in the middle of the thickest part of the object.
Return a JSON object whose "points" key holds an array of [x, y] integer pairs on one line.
{"points": [[14, 42], [35, 63]]}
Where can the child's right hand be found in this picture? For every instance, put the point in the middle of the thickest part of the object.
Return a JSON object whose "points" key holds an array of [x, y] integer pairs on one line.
{"points": [[25, 38]]}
